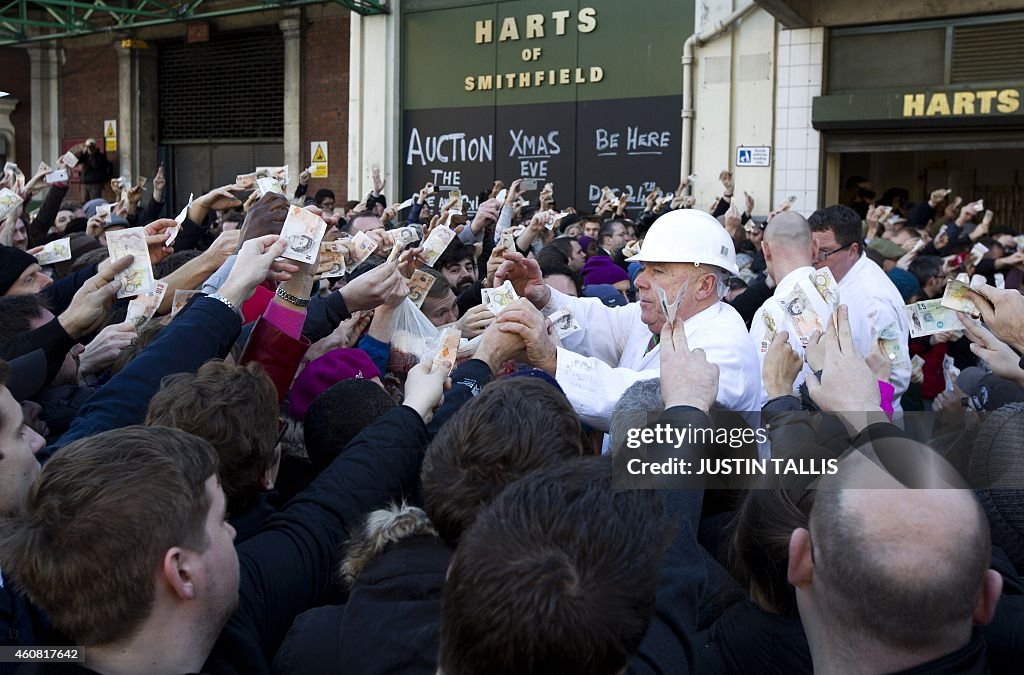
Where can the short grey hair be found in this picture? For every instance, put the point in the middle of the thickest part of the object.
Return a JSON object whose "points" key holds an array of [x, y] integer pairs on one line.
{"points": [[634, 410]]}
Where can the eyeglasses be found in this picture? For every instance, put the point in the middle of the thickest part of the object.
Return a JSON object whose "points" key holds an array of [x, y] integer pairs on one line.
{"points": [[823, 255]]}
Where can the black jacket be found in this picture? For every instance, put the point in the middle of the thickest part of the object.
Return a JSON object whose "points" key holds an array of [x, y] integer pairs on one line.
{"points": [[749, 301], [96, 168], [394, 605], [290, 565], [747, 639]]}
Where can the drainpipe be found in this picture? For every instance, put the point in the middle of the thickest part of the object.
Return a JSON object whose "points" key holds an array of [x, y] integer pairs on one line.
{"points": [[689, 47]]}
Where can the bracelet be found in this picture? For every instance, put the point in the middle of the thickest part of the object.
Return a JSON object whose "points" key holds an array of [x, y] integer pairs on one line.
{"points": [[231, 305], [293, 299]]}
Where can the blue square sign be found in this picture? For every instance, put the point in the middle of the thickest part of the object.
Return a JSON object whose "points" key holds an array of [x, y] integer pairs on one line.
{"points": [[753, 155]]}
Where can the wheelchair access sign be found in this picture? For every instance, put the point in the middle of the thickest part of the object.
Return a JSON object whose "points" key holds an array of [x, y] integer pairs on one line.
{"points": [[754, 155]]}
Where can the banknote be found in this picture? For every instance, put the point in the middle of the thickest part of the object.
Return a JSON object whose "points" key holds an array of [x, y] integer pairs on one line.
{"points": [[139, 277], [949, 372], [1000, 280], [565, 323], [893, 350], [69, 159], [361, 247], [769, 324], [498, 299], [104, 212], [553, 220], [182, 298], [246, 181], [891, 332], [9, 200], [502, 196], [978, 252], [448, 349], [958, 298], [930, 317], [332, 259], [406, 204], [179, 219], [508, 240], [419, 286], [278, 173], [303, 230], [800, 314], [58, 176], [143, 307], [917, 362], [405, 236], [268, 184], [436, 244], [55, 252], [827, 286]]}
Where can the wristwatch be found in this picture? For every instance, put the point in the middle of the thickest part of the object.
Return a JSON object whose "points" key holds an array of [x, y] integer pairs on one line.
{"points": [[231, 305], [292, 299]]}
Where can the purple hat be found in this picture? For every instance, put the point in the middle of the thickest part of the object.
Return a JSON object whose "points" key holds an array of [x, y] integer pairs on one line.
{"points": [[326, 371], [600, 269], [584, 242]]}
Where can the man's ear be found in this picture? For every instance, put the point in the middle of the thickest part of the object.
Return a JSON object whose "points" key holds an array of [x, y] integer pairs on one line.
{"points": [[267, 479], [178, 572], [991, 589], [766, 249], [800, 571], [814, 248]]}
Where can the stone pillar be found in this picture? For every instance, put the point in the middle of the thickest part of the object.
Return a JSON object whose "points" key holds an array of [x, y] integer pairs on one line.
{"points": [[137, 118], [45, 123], [291, 27], [374, 122], [7, 106], [127, 86]]}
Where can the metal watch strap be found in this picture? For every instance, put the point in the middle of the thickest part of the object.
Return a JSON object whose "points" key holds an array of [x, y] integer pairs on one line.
{"points": [[231, 305], [293, 299]]}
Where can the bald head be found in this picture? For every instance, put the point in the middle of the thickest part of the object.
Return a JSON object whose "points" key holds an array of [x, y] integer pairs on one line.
{"points": [[902, 568], [788, 229], [787, 244]]}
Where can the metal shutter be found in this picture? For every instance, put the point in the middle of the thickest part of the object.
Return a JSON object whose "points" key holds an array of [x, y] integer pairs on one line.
{"points": [[988, 53], [231, 88]]}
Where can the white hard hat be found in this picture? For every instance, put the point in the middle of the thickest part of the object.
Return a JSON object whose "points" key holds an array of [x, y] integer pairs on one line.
{"points": [[688, 236]]}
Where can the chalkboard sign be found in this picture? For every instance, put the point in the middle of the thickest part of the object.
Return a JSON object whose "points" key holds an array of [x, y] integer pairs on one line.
{"points": [[629, 145]]}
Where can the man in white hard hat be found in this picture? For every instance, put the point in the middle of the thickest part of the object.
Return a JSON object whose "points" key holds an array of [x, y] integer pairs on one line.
{"points": [[689, 256]]}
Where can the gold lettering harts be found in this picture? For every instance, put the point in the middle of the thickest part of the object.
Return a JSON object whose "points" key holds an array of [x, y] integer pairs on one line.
{"points": [[533, 26], [537, 74], [959, 103]]}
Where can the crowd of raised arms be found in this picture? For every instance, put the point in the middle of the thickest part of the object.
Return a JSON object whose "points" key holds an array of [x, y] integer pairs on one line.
{"points": [[296, 434]]}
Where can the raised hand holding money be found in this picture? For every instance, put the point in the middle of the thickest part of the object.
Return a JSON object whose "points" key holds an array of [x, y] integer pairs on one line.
{"points": [[687, 377], [55, 252], [132, 243], [257, 262], [1002, 310], [89, 307]]}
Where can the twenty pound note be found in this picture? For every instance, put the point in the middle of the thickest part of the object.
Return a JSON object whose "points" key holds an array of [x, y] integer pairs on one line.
{"points": [[139, 277]]}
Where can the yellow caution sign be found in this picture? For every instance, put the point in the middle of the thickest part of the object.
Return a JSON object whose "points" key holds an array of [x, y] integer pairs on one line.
{"points": [[318, 165], [110, 135]]}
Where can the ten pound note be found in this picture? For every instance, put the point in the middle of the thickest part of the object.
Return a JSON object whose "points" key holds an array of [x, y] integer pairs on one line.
{"points": [[139, 277], [303, 230]]}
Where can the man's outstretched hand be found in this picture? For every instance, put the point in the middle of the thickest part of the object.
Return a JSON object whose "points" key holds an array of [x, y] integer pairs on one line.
{"points": [[526, 278]]}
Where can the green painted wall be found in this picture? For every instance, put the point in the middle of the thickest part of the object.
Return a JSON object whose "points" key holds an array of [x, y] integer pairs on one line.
{"points": [[637, 45]]}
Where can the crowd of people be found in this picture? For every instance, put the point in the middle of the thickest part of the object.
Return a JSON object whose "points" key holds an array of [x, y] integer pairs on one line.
{"points": [[356, 449]]}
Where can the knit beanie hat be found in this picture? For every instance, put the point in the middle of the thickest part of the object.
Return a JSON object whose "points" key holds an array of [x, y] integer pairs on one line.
{"points": [[600, 269], [13, 261], [331, 368], [997, 474], [905, 282]]}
